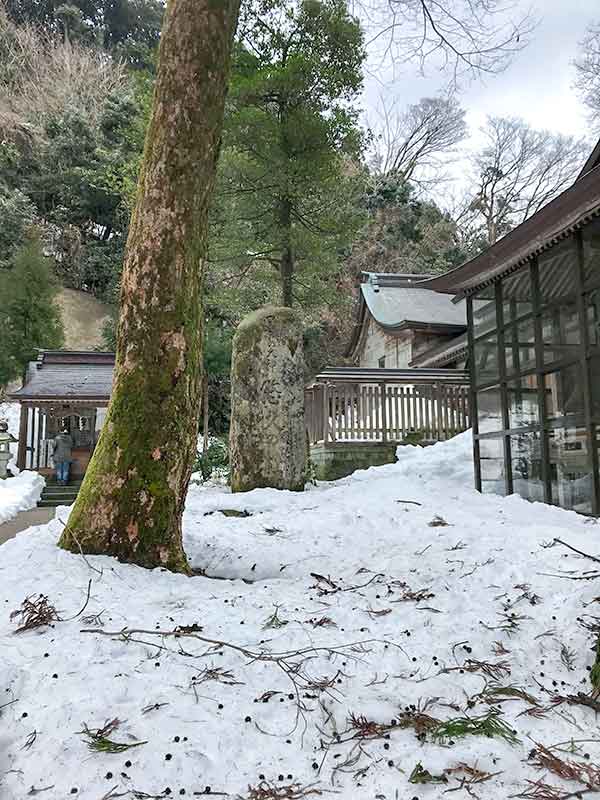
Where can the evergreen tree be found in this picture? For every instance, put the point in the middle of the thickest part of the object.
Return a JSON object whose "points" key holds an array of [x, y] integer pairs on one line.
{"points": [[285, 207], [29, 316], [17, 215]]}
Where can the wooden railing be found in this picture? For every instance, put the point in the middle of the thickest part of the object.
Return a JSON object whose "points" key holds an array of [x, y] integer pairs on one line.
{"points": [[387, 406]]}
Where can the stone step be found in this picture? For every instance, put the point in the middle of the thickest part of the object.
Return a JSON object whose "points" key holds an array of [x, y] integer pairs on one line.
{"points": [[55, 494], [62, 499], [55, 502]]}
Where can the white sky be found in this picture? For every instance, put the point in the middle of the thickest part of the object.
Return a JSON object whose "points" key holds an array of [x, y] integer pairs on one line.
{"points": [[537, 86]]}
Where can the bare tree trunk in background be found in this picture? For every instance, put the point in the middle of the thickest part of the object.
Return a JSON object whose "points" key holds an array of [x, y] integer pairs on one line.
{"points": [[286, 266], [132, 498], [205, 413]]}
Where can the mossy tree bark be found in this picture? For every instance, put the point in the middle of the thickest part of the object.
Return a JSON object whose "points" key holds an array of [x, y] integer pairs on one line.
{"points": [[132, 498]]}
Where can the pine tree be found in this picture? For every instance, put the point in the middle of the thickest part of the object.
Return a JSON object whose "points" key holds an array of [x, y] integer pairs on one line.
{"points": [[286, 202], [29, 316]]}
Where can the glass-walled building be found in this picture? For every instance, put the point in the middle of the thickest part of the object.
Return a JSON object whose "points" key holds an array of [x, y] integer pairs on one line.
{"points": [[533, 302]]}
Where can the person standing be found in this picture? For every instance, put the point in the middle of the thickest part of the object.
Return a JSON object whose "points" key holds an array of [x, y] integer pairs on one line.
{"points": [[61, 455]]}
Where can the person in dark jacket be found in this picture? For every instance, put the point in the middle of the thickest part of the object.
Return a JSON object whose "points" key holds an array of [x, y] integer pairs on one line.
{"points": [[61, 455]]}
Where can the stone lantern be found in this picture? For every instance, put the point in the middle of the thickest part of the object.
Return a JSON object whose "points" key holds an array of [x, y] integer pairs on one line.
{"points": [[5, 441]]}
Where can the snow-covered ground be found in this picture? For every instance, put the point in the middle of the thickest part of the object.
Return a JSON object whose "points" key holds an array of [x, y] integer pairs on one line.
{"points": [[19, 494], [23, 491], [336, 632]]}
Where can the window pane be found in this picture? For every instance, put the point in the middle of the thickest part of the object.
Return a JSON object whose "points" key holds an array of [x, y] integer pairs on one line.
{"points": [[523, 409], [486, 360], [526, 456], [516, 295], [591, 252], [570, 469], [491, 460], [561, 334], [489, 410], [563, 390], [519, 340], [484, 317], [558, 272], [592, 306]]}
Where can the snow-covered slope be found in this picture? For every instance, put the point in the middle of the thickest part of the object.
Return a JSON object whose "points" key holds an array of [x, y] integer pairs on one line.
{"points": [[336, 632]]}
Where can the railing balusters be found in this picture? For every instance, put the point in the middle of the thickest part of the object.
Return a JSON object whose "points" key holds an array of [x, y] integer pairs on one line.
{"points": [[345, 410]]}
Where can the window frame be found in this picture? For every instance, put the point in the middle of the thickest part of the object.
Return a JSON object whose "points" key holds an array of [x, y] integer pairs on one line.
{"points": [[581, 354]]}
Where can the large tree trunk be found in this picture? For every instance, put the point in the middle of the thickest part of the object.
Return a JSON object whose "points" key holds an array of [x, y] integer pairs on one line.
{"points": [[132, 498]]}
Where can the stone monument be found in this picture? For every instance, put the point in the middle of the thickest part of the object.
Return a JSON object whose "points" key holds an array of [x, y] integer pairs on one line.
{"points": [[267, 437]]}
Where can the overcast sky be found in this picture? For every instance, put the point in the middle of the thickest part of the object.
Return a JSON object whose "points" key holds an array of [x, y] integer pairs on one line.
{"points": [[538, 85]]}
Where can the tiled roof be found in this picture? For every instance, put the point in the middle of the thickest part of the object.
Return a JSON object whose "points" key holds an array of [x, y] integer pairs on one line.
{"points": [[395, 301], [68, 376]]}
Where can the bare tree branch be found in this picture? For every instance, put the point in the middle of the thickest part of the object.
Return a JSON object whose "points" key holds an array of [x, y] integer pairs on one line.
{"points": [[413, 143], [519, 170], [588, 73], [460, 36]]}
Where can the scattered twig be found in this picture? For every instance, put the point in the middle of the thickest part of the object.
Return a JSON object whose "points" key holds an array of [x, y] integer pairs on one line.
{"points": [[274, 621], [489, 725], [35, 612], [76, 540], [269, 791], [544, 758], [438, 522], [30, 741], [325, 586], [575, 550], [422, 775], [98, 741]]}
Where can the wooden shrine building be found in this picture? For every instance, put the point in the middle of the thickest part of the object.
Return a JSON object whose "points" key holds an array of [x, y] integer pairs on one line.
{"points": [[534, 351], [62, 389]]}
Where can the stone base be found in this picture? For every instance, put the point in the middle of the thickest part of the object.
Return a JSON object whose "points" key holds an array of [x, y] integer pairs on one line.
{"points": [[338, 460]]}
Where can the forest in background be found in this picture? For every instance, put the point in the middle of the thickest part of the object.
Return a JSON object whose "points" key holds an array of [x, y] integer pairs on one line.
{"points": [[307, 196]]}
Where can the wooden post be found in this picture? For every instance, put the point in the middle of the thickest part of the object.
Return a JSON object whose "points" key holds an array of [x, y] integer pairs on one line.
{"points": [[38, 446], [384, 414], [325, 413], [22, 447]]}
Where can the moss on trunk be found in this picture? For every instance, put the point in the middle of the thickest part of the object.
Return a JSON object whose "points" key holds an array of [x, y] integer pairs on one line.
{"points": [[132, 498]]}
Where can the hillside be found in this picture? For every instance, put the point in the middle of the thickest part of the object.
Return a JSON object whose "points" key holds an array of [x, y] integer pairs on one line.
{"points": [[83, 317]]}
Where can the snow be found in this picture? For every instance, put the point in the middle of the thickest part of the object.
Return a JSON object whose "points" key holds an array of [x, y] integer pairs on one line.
{"points": [[20, 493], [416, 525]]}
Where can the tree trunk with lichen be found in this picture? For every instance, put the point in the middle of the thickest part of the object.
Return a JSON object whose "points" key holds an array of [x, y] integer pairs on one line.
{"points": [[131, 502]]}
